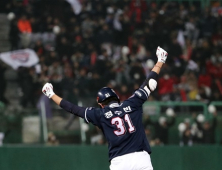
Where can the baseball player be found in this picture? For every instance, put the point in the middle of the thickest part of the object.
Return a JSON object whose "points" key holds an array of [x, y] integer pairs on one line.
{"points": [[121, 123]]}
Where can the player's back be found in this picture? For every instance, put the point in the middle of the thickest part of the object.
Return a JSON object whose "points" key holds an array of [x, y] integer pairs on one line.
{"points": [[122, 124], [123, 128]]}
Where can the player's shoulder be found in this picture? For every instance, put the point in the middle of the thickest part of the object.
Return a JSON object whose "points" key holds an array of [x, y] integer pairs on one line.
{"points": [[139, 94], [94, 110], [93, 115], [128, 105], [132, 99], [136, 100]]}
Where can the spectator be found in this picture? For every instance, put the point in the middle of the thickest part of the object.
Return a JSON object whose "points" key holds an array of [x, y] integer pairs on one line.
{"points": [[25, 28], [64, 48], [79, 44], [39, 48], [187, 135], [82, 82], [165, 85], [105, 35], [26, 82], [122, 72], [3, 84], [93, 41], [86, 51], [14, 35], [123, 93], [161, 128], [208, 130], [24, 25], [52, 141], [149, 134], [55, 69], [136, 73]]}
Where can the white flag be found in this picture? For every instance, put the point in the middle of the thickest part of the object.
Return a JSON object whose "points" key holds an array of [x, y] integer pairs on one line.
{"points": [[18, 58], [76, 6]]}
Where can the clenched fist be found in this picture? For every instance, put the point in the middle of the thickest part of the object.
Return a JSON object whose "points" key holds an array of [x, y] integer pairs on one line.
{"points": [[161, 55], [48, 90]]}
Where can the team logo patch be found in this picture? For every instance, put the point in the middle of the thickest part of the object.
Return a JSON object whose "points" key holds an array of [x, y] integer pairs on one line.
{"points": [[108, 114], [118, 112], [138, 93]]}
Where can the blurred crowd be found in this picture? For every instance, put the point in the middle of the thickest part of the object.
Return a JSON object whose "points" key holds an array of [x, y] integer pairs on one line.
{"points": [[198, 129], [168, 129], [112, 43]]}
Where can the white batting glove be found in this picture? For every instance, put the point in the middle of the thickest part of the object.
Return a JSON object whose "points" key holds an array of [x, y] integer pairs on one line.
{"points": [[161, 54], [48, 90]]}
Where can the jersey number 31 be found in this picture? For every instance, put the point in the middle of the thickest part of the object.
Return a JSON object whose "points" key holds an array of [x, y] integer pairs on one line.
{"points": [[121, 128]]}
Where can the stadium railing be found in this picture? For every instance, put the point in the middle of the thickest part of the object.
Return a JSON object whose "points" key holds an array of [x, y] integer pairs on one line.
{"points": [[14, 125]]}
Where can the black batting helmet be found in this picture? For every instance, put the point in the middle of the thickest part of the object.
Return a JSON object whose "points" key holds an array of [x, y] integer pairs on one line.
{"points": [[106, 93]]}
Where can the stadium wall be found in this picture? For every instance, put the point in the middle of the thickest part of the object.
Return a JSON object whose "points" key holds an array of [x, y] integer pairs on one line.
{"points": [[80, 157]]}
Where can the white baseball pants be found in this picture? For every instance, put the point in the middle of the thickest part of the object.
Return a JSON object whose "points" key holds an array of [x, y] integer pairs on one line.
{"points": [[132, 161]]}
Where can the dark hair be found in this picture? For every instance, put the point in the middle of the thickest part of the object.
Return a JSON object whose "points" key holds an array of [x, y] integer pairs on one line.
{"points": [[111, 99]]}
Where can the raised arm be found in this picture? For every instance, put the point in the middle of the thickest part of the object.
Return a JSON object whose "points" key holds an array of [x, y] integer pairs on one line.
{"points": [[157, 67], [162, 56], [150, 83], [56, 99], [69, 107], [141, 95]]}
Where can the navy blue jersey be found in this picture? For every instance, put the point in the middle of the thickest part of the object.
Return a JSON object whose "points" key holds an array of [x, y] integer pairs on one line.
{"points": [[122, 124]]}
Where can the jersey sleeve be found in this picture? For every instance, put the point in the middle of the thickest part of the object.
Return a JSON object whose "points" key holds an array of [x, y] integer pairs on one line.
{"points": [[139, 97], [142, 94], [92, 115], [72, 108]]}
